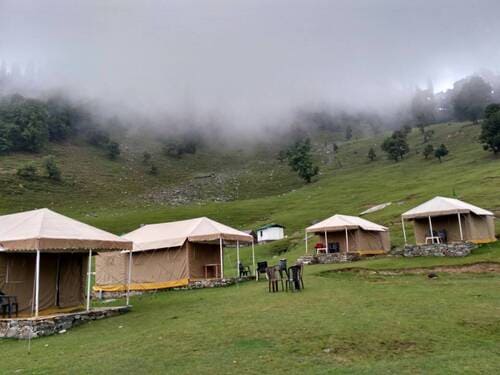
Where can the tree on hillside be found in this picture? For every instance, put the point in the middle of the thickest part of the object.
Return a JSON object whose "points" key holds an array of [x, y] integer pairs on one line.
{"points": [[428, 151], [153, 170], [490, 129], [396, 146], [441, 152], [491, 109], [428, 135], [348, 133], [53, 171], [146, 157], [471, 98], [113, 150], [300, 160], [371, 154], [423, 107]]}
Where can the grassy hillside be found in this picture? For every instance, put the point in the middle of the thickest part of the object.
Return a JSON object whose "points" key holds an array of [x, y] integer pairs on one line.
{"points": [[341, 323]]}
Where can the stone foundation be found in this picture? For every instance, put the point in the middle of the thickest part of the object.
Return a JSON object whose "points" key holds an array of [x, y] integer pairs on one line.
{"points": [[457, 249], [329, 258], [24, 328]]}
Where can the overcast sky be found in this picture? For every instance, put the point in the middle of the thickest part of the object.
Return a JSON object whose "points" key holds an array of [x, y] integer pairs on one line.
{"points": [[249, 60]]}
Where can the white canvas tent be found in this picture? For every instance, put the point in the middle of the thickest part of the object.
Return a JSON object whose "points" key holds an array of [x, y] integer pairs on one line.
{"points": [[352, 233], [170, 254], [42, 258], [462, 221]]}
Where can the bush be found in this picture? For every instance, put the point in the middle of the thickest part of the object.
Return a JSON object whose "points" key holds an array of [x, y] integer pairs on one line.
{"points": [[441, 152], [146, 157], [27, 172], [153, 170], [113, 150], [428, 151], [371, 154], [53, 171]]}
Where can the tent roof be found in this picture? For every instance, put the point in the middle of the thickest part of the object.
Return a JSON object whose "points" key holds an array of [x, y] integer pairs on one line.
{"points": [[439, 206], [47, 230], [174, 234], [341, 222]]}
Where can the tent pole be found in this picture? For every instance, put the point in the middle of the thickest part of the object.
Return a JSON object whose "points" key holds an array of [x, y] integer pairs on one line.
{"points": [[460, 225], [89, 270], [238, 258], [403, 226], [129, 276], [432, 231], [37, 282], [326, 241], [305, 239], [346, 241], [253, 259], [221, 259]]}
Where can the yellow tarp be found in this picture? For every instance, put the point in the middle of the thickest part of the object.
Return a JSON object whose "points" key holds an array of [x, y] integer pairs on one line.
{"points": [[139, 286]]}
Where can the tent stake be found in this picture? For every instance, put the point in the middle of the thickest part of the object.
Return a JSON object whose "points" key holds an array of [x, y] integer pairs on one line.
{"points": [[129, 277], [460, 226], [89, 275], [37, 282]]}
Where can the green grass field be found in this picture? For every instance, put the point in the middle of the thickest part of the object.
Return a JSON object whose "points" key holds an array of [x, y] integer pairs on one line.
{"points": [[341, 323]]}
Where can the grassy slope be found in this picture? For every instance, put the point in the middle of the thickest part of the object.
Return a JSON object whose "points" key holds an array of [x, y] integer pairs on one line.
{"points": [[396, 324]]}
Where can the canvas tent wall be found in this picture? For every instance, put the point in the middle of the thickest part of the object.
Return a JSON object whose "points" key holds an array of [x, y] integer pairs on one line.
{"points": [[156, 268], [44, 258], [62, 279], [461, 221], [353, 234], [168, 255]]}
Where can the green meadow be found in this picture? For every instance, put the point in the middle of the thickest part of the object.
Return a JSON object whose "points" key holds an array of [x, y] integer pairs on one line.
{"points": [[343, 322]]}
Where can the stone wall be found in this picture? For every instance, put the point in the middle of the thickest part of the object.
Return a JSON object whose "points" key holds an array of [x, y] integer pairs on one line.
{"points": [[329, 258], [457, 249], [19, 328]]}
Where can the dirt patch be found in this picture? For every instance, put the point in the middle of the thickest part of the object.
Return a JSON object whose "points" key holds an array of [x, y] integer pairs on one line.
{"points": [[481, 267]]}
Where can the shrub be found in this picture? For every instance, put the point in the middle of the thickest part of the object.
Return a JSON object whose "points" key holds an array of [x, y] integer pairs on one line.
{"points": [[113, 150], [53, 171], [27, 172]]}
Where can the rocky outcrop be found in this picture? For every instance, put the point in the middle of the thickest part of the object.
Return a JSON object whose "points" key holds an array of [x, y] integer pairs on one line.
{"points": [[329, 258], [457, 249], [25, 328]]}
